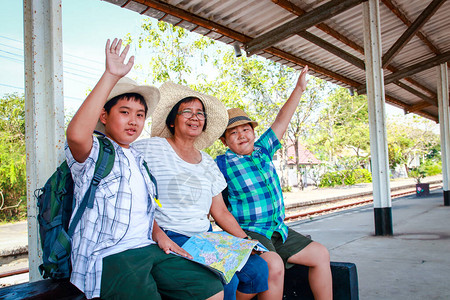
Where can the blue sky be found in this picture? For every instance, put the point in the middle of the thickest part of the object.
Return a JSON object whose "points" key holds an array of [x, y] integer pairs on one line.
{"points": [[86, 25]]}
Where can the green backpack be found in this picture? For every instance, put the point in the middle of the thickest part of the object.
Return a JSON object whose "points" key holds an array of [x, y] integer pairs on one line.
{"points": [[55, 203]]}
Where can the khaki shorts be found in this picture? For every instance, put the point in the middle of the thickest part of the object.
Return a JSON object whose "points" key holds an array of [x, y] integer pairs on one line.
{"points": [[149, 273], [295, 242]]}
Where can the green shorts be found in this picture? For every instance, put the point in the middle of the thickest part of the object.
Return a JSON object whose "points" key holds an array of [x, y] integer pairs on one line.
{"points": [[149, 273], [295, 242]]}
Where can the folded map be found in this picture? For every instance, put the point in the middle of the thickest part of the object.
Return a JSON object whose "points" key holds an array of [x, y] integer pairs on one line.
{"points": [[221, 252]]}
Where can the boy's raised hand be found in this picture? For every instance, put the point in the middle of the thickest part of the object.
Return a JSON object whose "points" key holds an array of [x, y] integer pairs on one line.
{"points": [[302, 82], [286, 112], [115, 61]]}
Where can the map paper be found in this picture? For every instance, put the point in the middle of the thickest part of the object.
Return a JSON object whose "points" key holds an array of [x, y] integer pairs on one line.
{"points": [[222, 252]]}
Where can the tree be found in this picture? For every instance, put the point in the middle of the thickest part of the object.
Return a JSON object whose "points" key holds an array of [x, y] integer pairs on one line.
{"points": [[409, 137], [12, 158], [341, 136], [173, 51]]}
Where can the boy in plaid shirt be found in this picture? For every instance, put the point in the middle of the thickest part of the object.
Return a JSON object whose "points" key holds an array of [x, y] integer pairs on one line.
{"points": [[116, 249], [254, 191]]}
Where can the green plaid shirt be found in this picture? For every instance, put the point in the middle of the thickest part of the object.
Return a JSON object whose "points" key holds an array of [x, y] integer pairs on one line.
{"points": [[255, 196]]}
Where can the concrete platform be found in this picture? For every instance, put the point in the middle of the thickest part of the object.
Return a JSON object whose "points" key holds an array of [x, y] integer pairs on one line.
{"points": [[414, 263]]}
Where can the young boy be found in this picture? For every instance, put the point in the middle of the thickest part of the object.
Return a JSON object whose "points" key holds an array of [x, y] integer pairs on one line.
{"points": [[113, 253], [254, 191]]}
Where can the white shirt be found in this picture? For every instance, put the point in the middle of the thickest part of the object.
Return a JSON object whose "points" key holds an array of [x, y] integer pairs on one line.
{"points": [[137, 233], [102, 227], [185, 190]]}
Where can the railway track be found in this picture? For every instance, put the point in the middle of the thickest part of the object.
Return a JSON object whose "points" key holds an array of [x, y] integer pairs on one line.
{"points": [[308, 211]]}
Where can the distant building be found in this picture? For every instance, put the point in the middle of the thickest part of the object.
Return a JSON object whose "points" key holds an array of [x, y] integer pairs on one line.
{"points": [[307, 160]]}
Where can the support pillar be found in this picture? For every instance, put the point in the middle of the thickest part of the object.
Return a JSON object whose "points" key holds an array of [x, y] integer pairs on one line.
{"points": [[444, 122], [44, 107], [377, 119]]}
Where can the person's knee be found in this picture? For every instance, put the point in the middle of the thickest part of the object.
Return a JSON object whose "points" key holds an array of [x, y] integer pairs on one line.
{"points": [[323, 253], [320, 256], [275, 264]]}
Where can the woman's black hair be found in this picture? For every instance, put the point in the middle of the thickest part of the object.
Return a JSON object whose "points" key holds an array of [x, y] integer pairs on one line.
{"points": [[137, 97], [170, 120]]}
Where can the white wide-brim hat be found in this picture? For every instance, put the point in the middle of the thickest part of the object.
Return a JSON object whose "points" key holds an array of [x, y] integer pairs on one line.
{"points": [[216, 113], [126, 85]]}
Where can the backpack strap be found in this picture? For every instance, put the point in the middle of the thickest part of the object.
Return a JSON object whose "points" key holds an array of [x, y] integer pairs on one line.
{"points": [[221, 163], [153, 179], [103, 167]]}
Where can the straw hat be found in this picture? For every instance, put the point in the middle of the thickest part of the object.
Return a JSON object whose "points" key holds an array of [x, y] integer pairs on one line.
{"points": [[126, 85], [237, 116], [171, 94]]}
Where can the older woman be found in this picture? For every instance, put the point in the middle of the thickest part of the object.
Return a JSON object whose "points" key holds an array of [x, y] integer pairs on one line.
{"points": [[190, 184]]}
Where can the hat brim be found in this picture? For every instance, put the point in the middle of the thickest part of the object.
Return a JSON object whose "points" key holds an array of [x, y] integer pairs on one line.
{"points": [[216, 113], [126, 85]]}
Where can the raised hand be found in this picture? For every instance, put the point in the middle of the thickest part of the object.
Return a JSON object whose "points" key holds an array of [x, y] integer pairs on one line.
{"points": [[115, 61], [302, 82]]}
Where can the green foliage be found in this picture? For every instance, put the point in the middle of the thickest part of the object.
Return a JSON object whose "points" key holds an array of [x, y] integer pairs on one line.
{"points": [[433, 168], [430, 167], [345, 177], [216, 149], [409, 137], [12, 158], [342, 131], [174, 51], [286, 189], [395, 155]]}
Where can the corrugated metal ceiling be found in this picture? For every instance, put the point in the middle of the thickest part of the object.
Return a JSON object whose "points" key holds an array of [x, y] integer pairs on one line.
{"points": [[241, 21]]}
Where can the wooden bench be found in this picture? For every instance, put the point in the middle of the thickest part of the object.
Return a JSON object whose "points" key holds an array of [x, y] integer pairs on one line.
{"points": [[345, 286]]}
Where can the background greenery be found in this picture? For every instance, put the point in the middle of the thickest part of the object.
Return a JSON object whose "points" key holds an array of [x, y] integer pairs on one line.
{"points": [[12, 158]]}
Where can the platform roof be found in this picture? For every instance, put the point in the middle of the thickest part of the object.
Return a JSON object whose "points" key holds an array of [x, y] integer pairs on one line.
{"points": [[329, 37]]}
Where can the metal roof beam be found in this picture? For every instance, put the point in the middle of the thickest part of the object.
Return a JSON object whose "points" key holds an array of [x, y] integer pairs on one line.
{"points": [[309, 19], [389, 4], [411, 70], [417, 107], [299, 61], [417, 93], [333, 49], [286, 4], [342, 38], [419, 67], [189, 17], [411, 31]]}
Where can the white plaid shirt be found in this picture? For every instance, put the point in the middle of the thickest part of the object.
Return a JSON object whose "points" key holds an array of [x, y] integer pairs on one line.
{"points": [[106, 223]]}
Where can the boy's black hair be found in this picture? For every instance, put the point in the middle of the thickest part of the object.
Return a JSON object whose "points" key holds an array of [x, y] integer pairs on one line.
{"points": [[137, 97], [170, 120]]}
